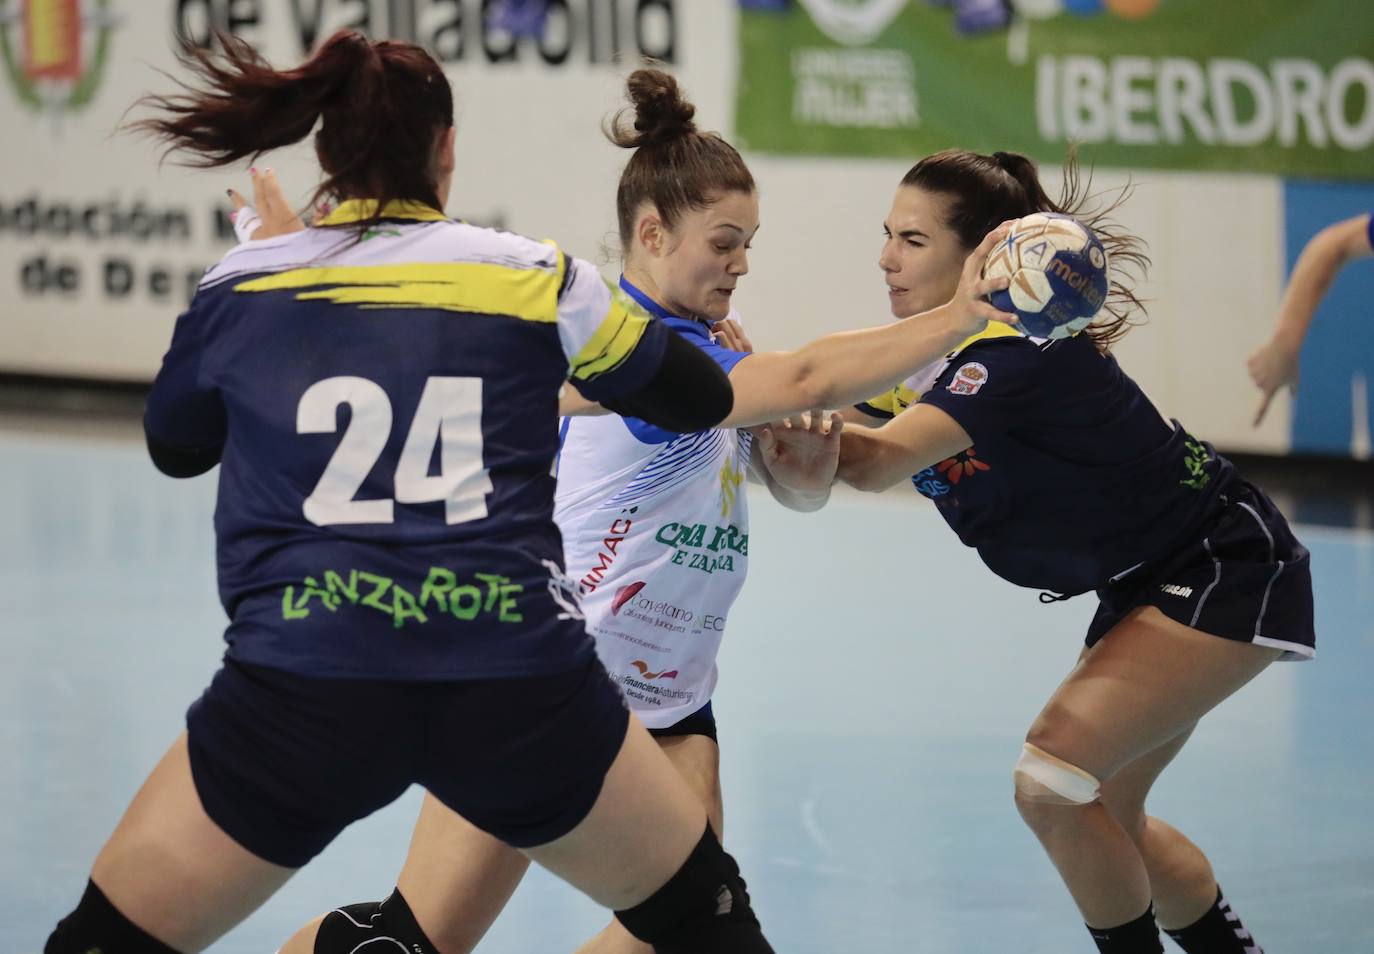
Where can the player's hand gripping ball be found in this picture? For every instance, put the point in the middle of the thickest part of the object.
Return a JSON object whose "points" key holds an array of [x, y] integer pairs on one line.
{"points": [[1058, 273]]}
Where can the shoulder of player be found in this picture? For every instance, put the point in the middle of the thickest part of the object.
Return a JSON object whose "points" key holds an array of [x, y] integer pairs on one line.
{"points": [[1011, 350], [484, 243], [1016, 349], [449, 241], [458, 242], [1003, 360], [263, 255]]}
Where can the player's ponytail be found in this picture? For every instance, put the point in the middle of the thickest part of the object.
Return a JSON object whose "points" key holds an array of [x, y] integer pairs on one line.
{"points": [[986, 190], [675, 167], [380, 108]]}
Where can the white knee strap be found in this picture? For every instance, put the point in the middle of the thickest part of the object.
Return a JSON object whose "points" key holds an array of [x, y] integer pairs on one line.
{"points": [[1041, 777]]}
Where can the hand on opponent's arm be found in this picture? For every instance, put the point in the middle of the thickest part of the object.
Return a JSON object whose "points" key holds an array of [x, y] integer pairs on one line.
{"points": [[797, 458]]}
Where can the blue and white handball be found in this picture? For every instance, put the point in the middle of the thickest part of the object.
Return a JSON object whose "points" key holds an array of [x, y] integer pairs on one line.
{"points": [[1058, 272]]}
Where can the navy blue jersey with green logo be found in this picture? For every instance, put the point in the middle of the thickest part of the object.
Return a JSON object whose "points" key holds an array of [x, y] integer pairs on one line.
{"points": [[1074, 476], [388, 414]]}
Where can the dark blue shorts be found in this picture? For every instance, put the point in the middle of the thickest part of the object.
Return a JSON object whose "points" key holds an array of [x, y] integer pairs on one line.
{"points": [[284, 762], [701, 722], [1246, 578]]}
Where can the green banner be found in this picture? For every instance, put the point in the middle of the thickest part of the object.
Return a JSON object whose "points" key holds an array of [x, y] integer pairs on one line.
{"points": [[1276, 86]]}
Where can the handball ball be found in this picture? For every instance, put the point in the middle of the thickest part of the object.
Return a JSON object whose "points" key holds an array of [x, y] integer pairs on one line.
{"points": [[1058, 272]]}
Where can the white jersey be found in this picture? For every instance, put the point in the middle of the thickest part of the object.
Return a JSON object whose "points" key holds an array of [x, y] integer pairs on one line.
{"points": [[656, 535]]}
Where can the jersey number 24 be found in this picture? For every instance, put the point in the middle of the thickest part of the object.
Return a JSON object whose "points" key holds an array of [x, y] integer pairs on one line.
{"points": [[450, 412]]}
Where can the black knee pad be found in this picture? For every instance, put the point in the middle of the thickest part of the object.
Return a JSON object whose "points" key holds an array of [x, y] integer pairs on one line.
{"points": [[703, 908], [96, 924], [344, 929]]}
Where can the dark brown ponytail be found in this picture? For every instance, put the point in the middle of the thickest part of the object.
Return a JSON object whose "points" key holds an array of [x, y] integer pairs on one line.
{"points": [[675, 166], [380, 108], [987, 190]]}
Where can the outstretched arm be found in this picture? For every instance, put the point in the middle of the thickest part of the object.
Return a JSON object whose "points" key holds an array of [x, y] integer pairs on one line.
{"points": [[875, 458], [840, 369], [1276, 363]]}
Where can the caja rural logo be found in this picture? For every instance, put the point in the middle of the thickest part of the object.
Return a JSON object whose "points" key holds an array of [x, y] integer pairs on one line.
{"points": [[54, 51]]}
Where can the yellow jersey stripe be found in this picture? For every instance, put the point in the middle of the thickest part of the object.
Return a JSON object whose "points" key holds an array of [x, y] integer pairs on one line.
{"points": [[614, 339], [898, 399], [359, 210], [883, 402], [994, 329], [472, 287]]}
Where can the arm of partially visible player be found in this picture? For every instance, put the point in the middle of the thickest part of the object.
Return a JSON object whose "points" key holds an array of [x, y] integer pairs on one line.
{"points": [[184, 424], [849, 366], [875, 458], [1275, 364]]}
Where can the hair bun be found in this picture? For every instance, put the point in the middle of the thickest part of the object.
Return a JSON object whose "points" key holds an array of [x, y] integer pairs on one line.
{"points": [[661, 112]]}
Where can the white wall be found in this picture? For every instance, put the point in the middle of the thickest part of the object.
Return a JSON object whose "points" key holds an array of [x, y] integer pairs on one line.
{"points": [[531, 156]]}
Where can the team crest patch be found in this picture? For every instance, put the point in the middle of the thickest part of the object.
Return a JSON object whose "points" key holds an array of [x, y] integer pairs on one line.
{"points": [[968, 379]]}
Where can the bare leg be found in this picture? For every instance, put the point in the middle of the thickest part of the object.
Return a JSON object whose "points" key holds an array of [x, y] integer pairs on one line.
{"points": [[1181, 879], [1145, 684], [641, 830], [456, 880], [172, 871], [697, 758]]}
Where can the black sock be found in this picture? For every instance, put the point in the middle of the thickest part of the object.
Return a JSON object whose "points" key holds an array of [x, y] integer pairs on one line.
{"points": [[1140, 936], [1219, 931], [97, 925]]}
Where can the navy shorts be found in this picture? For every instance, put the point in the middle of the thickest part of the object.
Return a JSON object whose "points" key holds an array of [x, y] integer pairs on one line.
{"points": [[701, 722], [1246, 578], [284, 762]]}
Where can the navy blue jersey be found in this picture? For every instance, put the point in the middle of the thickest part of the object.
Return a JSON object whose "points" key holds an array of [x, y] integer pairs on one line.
{"points": [[388, 410], [1074, 477]]}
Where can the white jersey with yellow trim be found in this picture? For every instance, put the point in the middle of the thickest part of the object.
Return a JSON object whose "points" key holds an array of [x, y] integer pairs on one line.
{"points": [[656, 536]]}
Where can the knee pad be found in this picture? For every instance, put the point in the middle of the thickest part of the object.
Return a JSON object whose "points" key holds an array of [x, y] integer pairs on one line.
{"points": [[345, 929], [1040, 777], [704, 907], [97, 925]]}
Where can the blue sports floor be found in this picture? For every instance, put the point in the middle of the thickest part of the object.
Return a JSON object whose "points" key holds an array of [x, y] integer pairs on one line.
{"points": [[875, 687]]}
